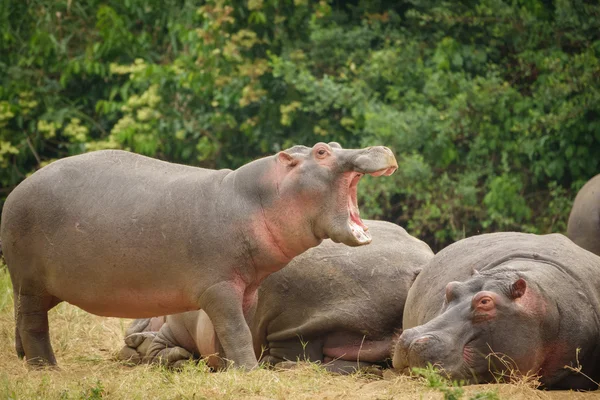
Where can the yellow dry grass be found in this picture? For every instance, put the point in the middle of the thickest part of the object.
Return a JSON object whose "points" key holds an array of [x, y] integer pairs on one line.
{"points": [[85, 346]]}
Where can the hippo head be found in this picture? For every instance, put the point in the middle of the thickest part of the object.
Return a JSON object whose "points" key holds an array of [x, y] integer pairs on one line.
{"points": [[324, 180], [488, 325]]}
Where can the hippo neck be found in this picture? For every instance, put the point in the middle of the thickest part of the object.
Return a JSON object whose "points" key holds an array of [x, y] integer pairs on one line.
{"points": [[275, 236]]}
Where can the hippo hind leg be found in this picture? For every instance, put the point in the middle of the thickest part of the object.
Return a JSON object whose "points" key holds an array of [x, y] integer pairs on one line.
{"points": [[32, 332]]}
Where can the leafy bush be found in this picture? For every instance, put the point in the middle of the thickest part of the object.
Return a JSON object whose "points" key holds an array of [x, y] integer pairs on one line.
{"points": [[491, 106]]}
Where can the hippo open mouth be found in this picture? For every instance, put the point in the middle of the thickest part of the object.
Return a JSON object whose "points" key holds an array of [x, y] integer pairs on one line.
{"points": [[357, 226]]}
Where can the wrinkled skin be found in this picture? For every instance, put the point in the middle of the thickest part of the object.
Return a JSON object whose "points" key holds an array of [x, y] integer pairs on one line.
{"points": [[533, 300], [333, 304], [123, 235], [584, 220]]}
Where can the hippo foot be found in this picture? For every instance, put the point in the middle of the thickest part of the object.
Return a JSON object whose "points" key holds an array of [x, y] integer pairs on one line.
{"points": [[37, 365], [172, 357], [136, 347]]}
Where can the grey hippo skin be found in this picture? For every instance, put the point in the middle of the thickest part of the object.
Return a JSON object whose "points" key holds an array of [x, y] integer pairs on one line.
{"points": [[533, 300], [584, 220], [334, 304], [123, 235]]}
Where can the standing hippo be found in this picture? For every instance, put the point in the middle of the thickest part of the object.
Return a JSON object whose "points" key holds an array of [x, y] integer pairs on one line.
{"points": [[529, 300], [119, 234], [334, 304], [584, 221]]}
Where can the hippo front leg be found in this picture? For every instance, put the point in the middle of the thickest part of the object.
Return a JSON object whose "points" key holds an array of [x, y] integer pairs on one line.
{"points": [[222, 303]]}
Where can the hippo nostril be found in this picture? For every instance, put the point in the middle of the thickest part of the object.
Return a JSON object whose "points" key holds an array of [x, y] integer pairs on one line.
{"points": [[422, 339]]}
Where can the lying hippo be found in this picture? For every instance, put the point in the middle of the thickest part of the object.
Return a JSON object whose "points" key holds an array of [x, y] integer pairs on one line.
{"points": [[334, 304], [584, 221], [123, 235], [531, 300]]}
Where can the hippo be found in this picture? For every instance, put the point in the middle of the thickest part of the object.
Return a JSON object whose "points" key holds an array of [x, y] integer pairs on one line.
{"points": [[584, 221], [333, 304], [124, 235], [504, 302]]}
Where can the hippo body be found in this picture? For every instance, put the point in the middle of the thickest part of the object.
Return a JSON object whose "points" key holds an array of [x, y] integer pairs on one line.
{"points": [[119, 234], [584, 221], [531, 300], [333, 304]]}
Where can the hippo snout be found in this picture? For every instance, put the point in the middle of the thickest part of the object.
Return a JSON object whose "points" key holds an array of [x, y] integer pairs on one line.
{"points": [[376, 161], [415, 349], [423, 350]]}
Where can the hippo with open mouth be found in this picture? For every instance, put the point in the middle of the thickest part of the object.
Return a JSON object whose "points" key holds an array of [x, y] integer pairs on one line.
{"points": [[123, 235], [501, 302]]}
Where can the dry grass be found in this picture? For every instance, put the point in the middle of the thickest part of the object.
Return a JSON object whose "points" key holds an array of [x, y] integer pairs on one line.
{"points": [[85, 346]]}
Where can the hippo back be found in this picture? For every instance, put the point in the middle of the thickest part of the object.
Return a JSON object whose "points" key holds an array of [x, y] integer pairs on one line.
{"points": [[458, 262], [334, 287], [584, 221]]}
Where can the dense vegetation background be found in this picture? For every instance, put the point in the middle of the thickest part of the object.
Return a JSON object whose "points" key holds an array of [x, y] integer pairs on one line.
{"points": [[492, 107]]}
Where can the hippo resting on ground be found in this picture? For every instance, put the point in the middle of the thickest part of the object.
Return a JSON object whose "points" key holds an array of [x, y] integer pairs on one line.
{"points": [[532, 300], [584, 221], [123, 235], [334, 304]]}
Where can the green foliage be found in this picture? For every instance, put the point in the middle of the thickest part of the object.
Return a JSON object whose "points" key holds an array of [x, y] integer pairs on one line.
{"points": [[95, 392], [492, 107], [452, 390]]}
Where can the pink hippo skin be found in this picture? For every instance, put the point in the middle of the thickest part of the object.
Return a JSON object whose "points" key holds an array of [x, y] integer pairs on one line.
{"points": [[123, 235], [498, 302], [584, 220], [333, 304]]}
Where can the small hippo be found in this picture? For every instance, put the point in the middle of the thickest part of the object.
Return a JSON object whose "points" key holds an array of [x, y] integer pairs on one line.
{"points": [[584, 220], [506, 301], [334, 304], [123, 235]]}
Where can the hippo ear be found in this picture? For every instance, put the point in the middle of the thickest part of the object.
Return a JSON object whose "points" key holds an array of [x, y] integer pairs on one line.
{"points": [[518, 288], [286, 159], [335, 145]]}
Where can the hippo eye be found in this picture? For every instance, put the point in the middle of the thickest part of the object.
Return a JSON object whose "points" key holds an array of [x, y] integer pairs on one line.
{"points": [[485, 303], [322, 153]]}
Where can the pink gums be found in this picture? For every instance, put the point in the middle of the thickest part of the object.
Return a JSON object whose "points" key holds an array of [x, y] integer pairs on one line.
{"points": [[353, 202]]}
